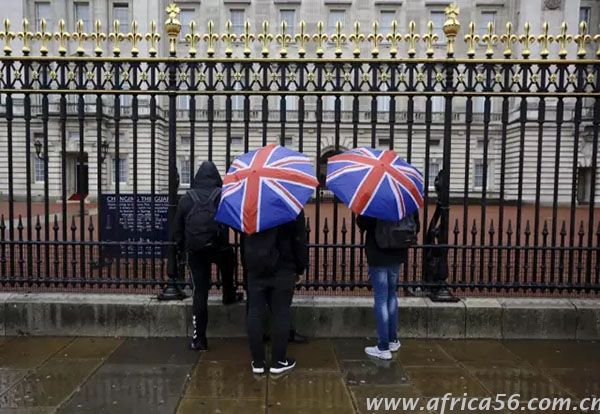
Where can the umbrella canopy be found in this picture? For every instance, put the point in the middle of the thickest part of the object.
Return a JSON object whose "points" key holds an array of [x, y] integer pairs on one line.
{"points": [[375, 183], [265, 188]]}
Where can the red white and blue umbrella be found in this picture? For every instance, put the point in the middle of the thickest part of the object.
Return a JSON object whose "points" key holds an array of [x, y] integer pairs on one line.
{"points": [[375, 183], [265, 188]]}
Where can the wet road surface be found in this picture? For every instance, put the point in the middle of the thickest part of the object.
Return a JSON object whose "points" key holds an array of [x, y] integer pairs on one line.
{"points": [[159, 375]]}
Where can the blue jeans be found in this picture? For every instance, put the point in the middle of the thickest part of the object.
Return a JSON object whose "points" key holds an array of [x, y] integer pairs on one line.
{"points": [[384, 280]]}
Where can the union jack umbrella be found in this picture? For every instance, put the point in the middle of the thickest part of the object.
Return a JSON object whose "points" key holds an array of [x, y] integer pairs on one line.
{"points": [[375, 183], [265, 188]]}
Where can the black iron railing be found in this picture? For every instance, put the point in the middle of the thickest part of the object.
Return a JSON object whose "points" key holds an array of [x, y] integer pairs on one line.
{"points": [[93, 147]]}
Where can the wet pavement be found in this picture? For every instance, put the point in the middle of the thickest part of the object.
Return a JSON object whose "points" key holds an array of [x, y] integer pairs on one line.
{"points": [[114, 375]]}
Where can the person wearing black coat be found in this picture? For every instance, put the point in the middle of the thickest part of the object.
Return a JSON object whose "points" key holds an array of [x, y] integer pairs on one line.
{"points": [[206, 181], [273, 284]]}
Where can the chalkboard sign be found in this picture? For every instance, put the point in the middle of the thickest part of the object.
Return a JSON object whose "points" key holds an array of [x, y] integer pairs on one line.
{"points": [[118, 224]]}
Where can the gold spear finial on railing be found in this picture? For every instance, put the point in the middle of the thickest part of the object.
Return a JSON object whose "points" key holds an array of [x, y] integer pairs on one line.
{"points": [[375, 38], [597, 41], [247, 37], [490, 39], [265, 38], [357, 38], [116, 37], [508, 38], [44, 37], [526, 39], [545, 39], [451, 27], [412, 38], [394, 37], [173, 27], [98, 37], [430, 38], [7, 36], [210, 38], [283, 38], [26, 36], [153, 38], [338, 38], [302, 37], [134, 37], [563, 39], [62, 36], [582, 39], [471, 39], [229, 37], [320, 38], [80, 36], [192, 38]]}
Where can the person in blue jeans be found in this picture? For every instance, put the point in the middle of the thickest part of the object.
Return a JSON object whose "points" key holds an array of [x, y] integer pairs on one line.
{"points": [[384, 267]]}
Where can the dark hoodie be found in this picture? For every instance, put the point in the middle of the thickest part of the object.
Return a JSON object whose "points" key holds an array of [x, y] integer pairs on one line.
{"points": [[207, 179]]}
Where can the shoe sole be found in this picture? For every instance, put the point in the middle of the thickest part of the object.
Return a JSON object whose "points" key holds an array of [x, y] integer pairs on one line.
{"points": [[281, 370], [258, 370], [379, 356]]}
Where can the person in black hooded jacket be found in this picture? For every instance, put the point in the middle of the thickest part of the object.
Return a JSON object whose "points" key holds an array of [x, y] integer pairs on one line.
{"points": [[206, 181]]}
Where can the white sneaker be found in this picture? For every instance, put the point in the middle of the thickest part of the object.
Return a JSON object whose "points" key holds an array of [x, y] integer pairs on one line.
{"points": [[377, 353], [394, 346]]}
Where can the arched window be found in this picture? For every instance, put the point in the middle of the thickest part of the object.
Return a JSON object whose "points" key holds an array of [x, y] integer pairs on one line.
{"points": [[323, 165]]}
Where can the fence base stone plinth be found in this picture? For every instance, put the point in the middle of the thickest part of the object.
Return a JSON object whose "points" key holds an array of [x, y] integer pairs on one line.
{"points": [[80, 314]]}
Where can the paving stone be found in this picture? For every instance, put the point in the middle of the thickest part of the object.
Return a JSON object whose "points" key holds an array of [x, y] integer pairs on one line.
{"points": [[220, 406], [314, 391], [526, 382], [227, 349], [423, 353], [49, 385], [479, 352], [84, 348], [352, 348], [28, 353], [437, 381], [130, 388], [373, 372], [582, 383], [316, 355], [8, 377], [558, 354], [28, 410], [225, 379], [361, 393], [154, 351]]}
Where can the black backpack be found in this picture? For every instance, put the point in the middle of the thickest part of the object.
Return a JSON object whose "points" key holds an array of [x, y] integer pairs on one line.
{"points": [[260, 252], [201, 229], [396, 234]]}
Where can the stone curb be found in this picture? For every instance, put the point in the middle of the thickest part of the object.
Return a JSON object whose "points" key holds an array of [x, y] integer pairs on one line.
{"points": [[76, 314]]}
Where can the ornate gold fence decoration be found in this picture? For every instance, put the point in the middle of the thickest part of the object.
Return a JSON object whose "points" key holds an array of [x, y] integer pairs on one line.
{"points": [[297, 42]]}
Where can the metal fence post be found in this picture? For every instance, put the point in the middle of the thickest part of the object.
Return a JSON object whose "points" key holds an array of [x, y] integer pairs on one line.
{"points": [[439, 291], [173, 27]]}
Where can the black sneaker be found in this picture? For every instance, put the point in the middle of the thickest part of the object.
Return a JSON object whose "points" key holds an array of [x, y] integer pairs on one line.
{"points": [[258, 368], [283, 366], [199, 344]]}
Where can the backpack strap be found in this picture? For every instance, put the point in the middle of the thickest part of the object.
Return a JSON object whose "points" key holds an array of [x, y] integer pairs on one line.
{"points": [[194, 196]]}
